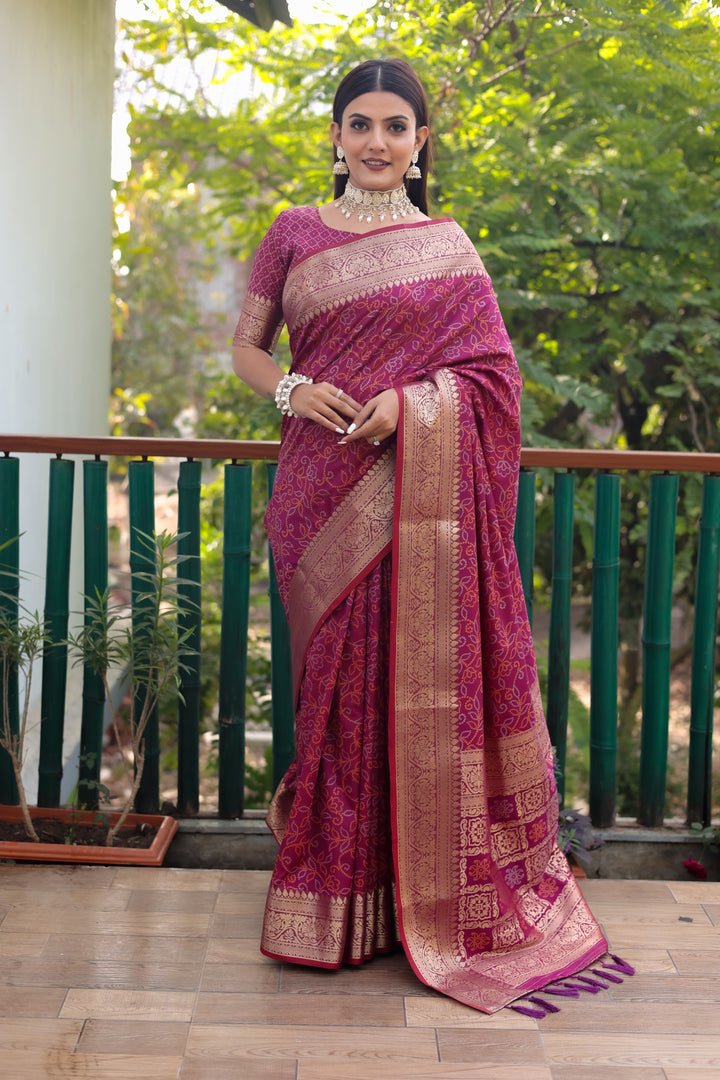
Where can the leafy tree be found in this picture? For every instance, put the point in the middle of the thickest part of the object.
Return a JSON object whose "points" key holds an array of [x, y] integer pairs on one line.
{"points": [[577, 145], [161, 339]]}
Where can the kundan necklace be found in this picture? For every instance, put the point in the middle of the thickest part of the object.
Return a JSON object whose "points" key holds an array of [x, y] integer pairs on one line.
{"points": [[369, 204]]}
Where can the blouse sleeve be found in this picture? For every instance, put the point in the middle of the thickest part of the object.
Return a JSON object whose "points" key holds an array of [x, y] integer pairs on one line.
{"points": [[261, 318]]}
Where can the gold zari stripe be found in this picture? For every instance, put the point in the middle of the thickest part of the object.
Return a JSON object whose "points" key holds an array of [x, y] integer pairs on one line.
{"points": [[358, 531]]}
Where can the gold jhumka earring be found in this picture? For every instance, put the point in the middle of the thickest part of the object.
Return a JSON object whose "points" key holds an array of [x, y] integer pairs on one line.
{"points": [[413, 172], [340, 167]]}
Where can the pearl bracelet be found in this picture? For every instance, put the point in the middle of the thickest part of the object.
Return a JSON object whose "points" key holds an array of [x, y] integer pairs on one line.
{"points": [[285, 388]]}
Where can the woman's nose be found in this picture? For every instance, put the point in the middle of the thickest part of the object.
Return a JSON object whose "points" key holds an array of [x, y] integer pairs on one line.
{"points": [[377, 139]]}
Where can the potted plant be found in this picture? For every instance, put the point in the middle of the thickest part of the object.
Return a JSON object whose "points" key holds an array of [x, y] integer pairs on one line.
{"points": [[152, 653], [20, 645], [575, 838]]}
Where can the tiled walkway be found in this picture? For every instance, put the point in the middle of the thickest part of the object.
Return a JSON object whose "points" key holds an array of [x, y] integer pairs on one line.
{"points": [[142, 974]]}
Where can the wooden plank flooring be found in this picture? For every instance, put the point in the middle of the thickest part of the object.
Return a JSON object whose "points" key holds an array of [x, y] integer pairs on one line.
{"points": [[155, 974]]}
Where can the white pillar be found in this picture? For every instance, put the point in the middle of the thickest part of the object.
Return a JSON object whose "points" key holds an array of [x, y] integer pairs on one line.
{"points": [[56, 90]]}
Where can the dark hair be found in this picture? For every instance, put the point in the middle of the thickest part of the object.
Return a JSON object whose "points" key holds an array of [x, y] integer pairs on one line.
{"points": [[395, 77]]}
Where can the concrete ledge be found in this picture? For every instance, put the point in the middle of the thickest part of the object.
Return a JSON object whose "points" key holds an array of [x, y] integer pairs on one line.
{"points": [[210, 844], [632, 851], [629, 850]]}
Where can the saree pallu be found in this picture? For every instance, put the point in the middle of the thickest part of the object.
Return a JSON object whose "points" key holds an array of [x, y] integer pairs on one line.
{"points": [[422, 804]]}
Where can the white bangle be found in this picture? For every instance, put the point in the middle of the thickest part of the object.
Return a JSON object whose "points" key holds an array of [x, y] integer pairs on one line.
{"points": [[285, 388]]}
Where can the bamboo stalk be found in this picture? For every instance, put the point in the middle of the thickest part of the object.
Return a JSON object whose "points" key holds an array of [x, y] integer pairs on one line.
{"points": [[283, 712], [9, 607], [189, 624], [525, 536], [604, 651], [54, 670], [95, 529], [233, 639], [702, 694], [558, 692], [143, 565], [656, 649]]}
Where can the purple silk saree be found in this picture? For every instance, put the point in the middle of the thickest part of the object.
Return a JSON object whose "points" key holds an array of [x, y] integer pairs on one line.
{"points": [[421, 805]]}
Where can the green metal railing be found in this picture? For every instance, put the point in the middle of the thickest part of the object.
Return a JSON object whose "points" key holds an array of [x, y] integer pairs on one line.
{"points": [[558, 690], [233, 639], [190, 627], [663, 487], [9, 602], [604, 649], [56, 616]]}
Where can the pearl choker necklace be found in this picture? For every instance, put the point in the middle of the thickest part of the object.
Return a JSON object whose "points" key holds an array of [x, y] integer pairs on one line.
{"points": [[367, 204]]}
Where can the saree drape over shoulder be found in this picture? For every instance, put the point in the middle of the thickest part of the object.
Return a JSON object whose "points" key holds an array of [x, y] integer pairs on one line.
{"points": [[422, 803]]}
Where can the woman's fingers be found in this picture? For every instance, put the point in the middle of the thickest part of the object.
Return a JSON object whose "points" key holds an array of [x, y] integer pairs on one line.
{"points": [[336, 397], [376, 421], [334, 409], [324, 404]]}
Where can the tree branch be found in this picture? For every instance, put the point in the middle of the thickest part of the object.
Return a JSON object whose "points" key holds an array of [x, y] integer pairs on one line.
{"points": [[524, 63], [693, 424]]}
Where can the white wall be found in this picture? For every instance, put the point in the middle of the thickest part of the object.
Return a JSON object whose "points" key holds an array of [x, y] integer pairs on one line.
{"points": [[56, 87]]}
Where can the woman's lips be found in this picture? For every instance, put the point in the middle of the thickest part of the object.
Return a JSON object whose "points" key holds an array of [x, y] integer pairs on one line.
{"points": [[377, 165]]}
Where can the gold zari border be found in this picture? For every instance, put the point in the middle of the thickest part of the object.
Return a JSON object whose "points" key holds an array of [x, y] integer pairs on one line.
{"points": [[358, 531], [327, 930], [424, 673], [259, 324], [441, 822], [376, 261]]}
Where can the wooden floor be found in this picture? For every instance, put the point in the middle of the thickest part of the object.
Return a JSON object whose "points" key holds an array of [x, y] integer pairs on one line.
{"points": [[143, 974]]}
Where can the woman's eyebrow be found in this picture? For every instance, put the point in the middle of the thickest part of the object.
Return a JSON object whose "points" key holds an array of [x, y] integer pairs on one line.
{"points": [[359, 116]]}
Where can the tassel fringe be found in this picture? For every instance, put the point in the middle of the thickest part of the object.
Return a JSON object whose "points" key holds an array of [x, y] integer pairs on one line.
{"points": [[591, 981]]}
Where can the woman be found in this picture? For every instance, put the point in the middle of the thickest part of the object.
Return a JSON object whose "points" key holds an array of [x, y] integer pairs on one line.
{"points": [[421, 804]]}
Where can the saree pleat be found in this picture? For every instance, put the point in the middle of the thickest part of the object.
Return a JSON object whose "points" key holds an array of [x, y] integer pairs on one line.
{"points": [[422, 805], [331, 896]]}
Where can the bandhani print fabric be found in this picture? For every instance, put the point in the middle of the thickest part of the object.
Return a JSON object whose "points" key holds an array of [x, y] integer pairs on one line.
{"points": [[421, 808]]}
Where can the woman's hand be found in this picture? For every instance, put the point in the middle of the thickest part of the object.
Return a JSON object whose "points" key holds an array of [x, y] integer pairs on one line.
{"points": [[326, 404], [377, 420]]}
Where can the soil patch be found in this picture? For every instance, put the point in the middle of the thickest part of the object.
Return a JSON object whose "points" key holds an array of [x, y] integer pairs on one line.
{"points": [[54, 831]]}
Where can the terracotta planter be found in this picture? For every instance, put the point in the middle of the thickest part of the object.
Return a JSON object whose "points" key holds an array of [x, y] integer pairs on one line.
{"points": [[86, 853]]}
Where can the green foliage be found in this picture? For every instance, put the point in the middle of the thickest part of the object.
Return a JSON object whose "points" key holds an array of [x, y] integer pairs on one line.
{"points": [[22, 640], [578, 147], [160, 338], [99, 794], [576, 836], [232, 410], [257, 696], [259, 783], [710, 835], [577, 750]]}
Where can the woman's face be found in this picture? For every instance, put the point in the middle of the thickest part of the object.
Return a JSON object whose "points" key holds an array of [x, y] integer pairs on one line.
{"points": [[378, 135]]}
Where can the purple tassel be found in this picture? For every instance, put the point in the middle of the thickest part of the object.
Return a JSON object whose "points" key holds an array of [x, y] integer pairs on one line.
{"points": [[619, 965], [560, 991], [535, 1013], [546, 1004], [593, 989], [591, 982], [606, 975], [599, 976]]}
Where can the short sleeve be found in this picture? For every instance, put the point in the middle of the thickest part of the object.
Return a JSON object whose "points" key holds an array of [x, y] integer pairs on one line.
{"points": [[261, 318]]}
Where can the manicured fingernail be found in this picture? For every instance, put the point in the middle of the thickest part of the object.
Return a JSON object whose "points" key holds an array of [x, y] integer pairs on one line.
{"points": [[342, 442], [351, 429], [339, 431]]}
